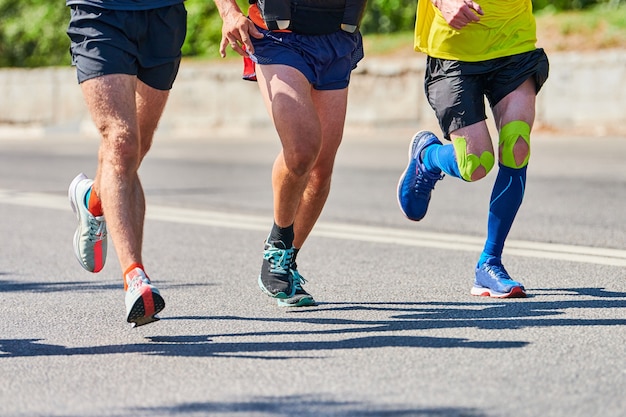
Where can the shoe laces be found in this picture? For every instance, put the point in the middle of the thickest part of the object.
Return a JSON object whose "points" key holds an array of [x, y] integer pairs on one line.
{"points": [[97, 228], [425, 181], [136, 279], [279, 259], [297, 279], [498, 271]]}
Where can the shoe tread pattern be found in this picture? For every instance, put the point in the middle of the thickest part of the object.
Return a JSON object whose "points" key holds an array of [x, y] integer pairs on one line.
{"points": [[137, 313]]}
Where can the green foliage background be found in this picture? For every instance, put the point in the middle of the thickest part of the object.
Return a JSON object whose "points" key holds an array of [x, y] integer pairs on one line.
{"points": [[32, 32]]}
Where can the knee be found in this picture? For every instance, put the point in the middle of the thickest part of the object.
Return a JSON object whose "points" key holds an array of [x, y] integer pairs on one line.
{"points": [[301, 160], [121, 148], [144, 148], [472, 167], [514, 144]]}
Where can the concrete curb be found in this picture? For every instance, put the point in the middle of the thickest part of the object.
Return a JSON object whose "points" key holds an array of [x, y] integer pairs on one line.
{"points": [[583, 94]]}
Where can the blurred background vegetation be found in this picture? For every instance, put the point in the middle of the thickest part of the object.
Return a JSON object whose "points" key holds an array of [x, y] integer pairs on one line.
{"points": [[32, 32]]}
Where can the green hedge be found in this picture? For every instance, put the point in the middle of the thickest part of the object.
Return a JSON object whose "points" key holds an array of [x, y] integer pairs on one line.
{"points": [[32, 32], [569, 4]]}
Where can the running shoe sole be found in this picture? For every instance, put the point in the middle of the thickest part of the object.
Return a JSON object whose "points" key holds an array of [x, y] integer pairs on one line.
{"points": [[279, 295], [99, 250], [306, 301], [410, 166], [516, 292], [152, 303]]}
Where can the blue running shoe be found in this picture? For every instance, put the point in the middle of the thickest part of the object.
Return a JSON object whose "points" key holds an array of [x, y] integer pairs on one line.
{"points": [[492, 280], [416, 183], [301, 298], [275, 278]]}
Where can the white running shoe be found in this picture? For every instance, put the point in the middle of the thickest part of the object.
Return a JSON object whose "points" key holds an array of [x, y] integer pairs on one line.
{"points": [[143, 300], [90, 239]]}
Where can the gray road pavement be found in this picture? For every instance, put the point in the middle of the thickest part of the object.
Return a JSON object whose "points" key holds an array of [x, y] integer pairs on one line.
{"points": [[396, 332]]}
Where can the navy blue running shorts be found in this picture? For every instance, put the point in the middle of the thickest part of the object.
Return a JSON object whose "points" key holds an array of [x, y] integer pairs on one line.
{"points": [[145, 43], [456, 90], [325, 60]]}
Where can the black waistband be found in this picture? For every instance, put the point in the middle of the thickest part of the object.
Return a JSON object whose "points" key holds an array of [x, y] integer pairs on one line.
{"points": [[312, 17]]}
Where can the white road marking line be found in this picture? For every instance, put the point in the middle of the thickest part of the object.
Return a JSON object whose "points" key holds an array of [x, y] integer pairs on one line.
{"points": [[344, 231]]}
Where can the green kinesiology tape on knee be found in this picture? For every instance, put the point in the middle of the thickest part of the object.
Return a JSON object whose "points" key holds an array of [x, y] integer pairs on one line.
{"points": [[468, 163], [509, 135]]}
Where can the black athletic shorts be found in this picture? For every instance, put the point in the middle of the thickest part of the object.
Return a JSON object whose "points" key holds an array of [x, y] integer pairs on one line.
{"points": [[456, 90], [145, 43]]}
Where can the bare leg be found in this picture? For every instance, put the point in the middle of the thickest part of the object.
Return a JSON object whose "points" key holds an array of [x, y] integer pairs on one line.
{"points": [[288, 98], [126, 113], [331, 108]]}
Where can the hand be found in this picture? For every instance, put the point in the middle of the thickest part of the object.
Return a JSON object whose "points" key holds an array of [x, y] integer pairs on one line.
{"points": [[236, 32], [459, 13]]}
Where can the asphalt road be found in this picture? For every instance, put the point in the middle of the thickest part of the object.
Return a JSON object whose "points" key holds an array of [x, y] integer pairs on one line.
{"points": [[395, 333]]}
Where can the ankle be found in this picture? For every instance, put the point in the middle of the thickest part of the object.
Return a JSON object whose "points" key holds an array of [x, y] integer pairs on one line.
{"points": [[428, 160], [134, 270], [93, 203], [490, 259], [282, 234]]}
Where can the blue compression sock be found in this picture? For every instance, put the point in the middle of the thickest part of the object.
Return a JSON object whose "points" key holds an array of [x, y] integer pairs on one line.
{"points": [[506, 199], [441, 158]]}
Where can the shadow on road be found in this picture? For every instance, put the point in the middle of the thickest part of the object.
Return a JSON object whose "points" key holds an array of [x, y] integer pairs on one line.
{"points": [[364, 333]]}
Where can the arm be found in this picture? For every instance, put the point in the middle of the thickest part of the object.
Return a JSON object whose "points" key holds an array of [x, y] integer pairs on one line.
{"points": [[459, 13], [236, 28]]}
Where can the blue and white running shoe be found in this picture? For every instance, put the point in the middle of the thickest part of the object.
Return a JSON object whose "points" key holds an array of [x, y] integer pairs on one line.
{"points": [[492, 280], [417, 183]]}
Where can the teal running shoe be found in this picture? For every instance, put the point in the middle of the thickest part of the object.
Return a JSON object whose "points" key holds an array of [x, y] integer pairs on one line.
{"points": [[301, 298], [416, 183], [90, 238], [492, 280], [275, 278]]}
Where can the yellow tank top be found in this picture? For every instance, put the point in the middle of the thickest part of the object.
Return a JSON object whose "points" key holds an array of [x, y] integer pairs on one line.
{"points": [[506, 28]]}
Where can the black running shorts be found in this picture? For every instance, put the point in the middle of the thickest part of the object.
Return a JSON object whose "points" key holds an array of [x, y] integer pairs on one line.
{"points": [[145, 43], [456, 90]]}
